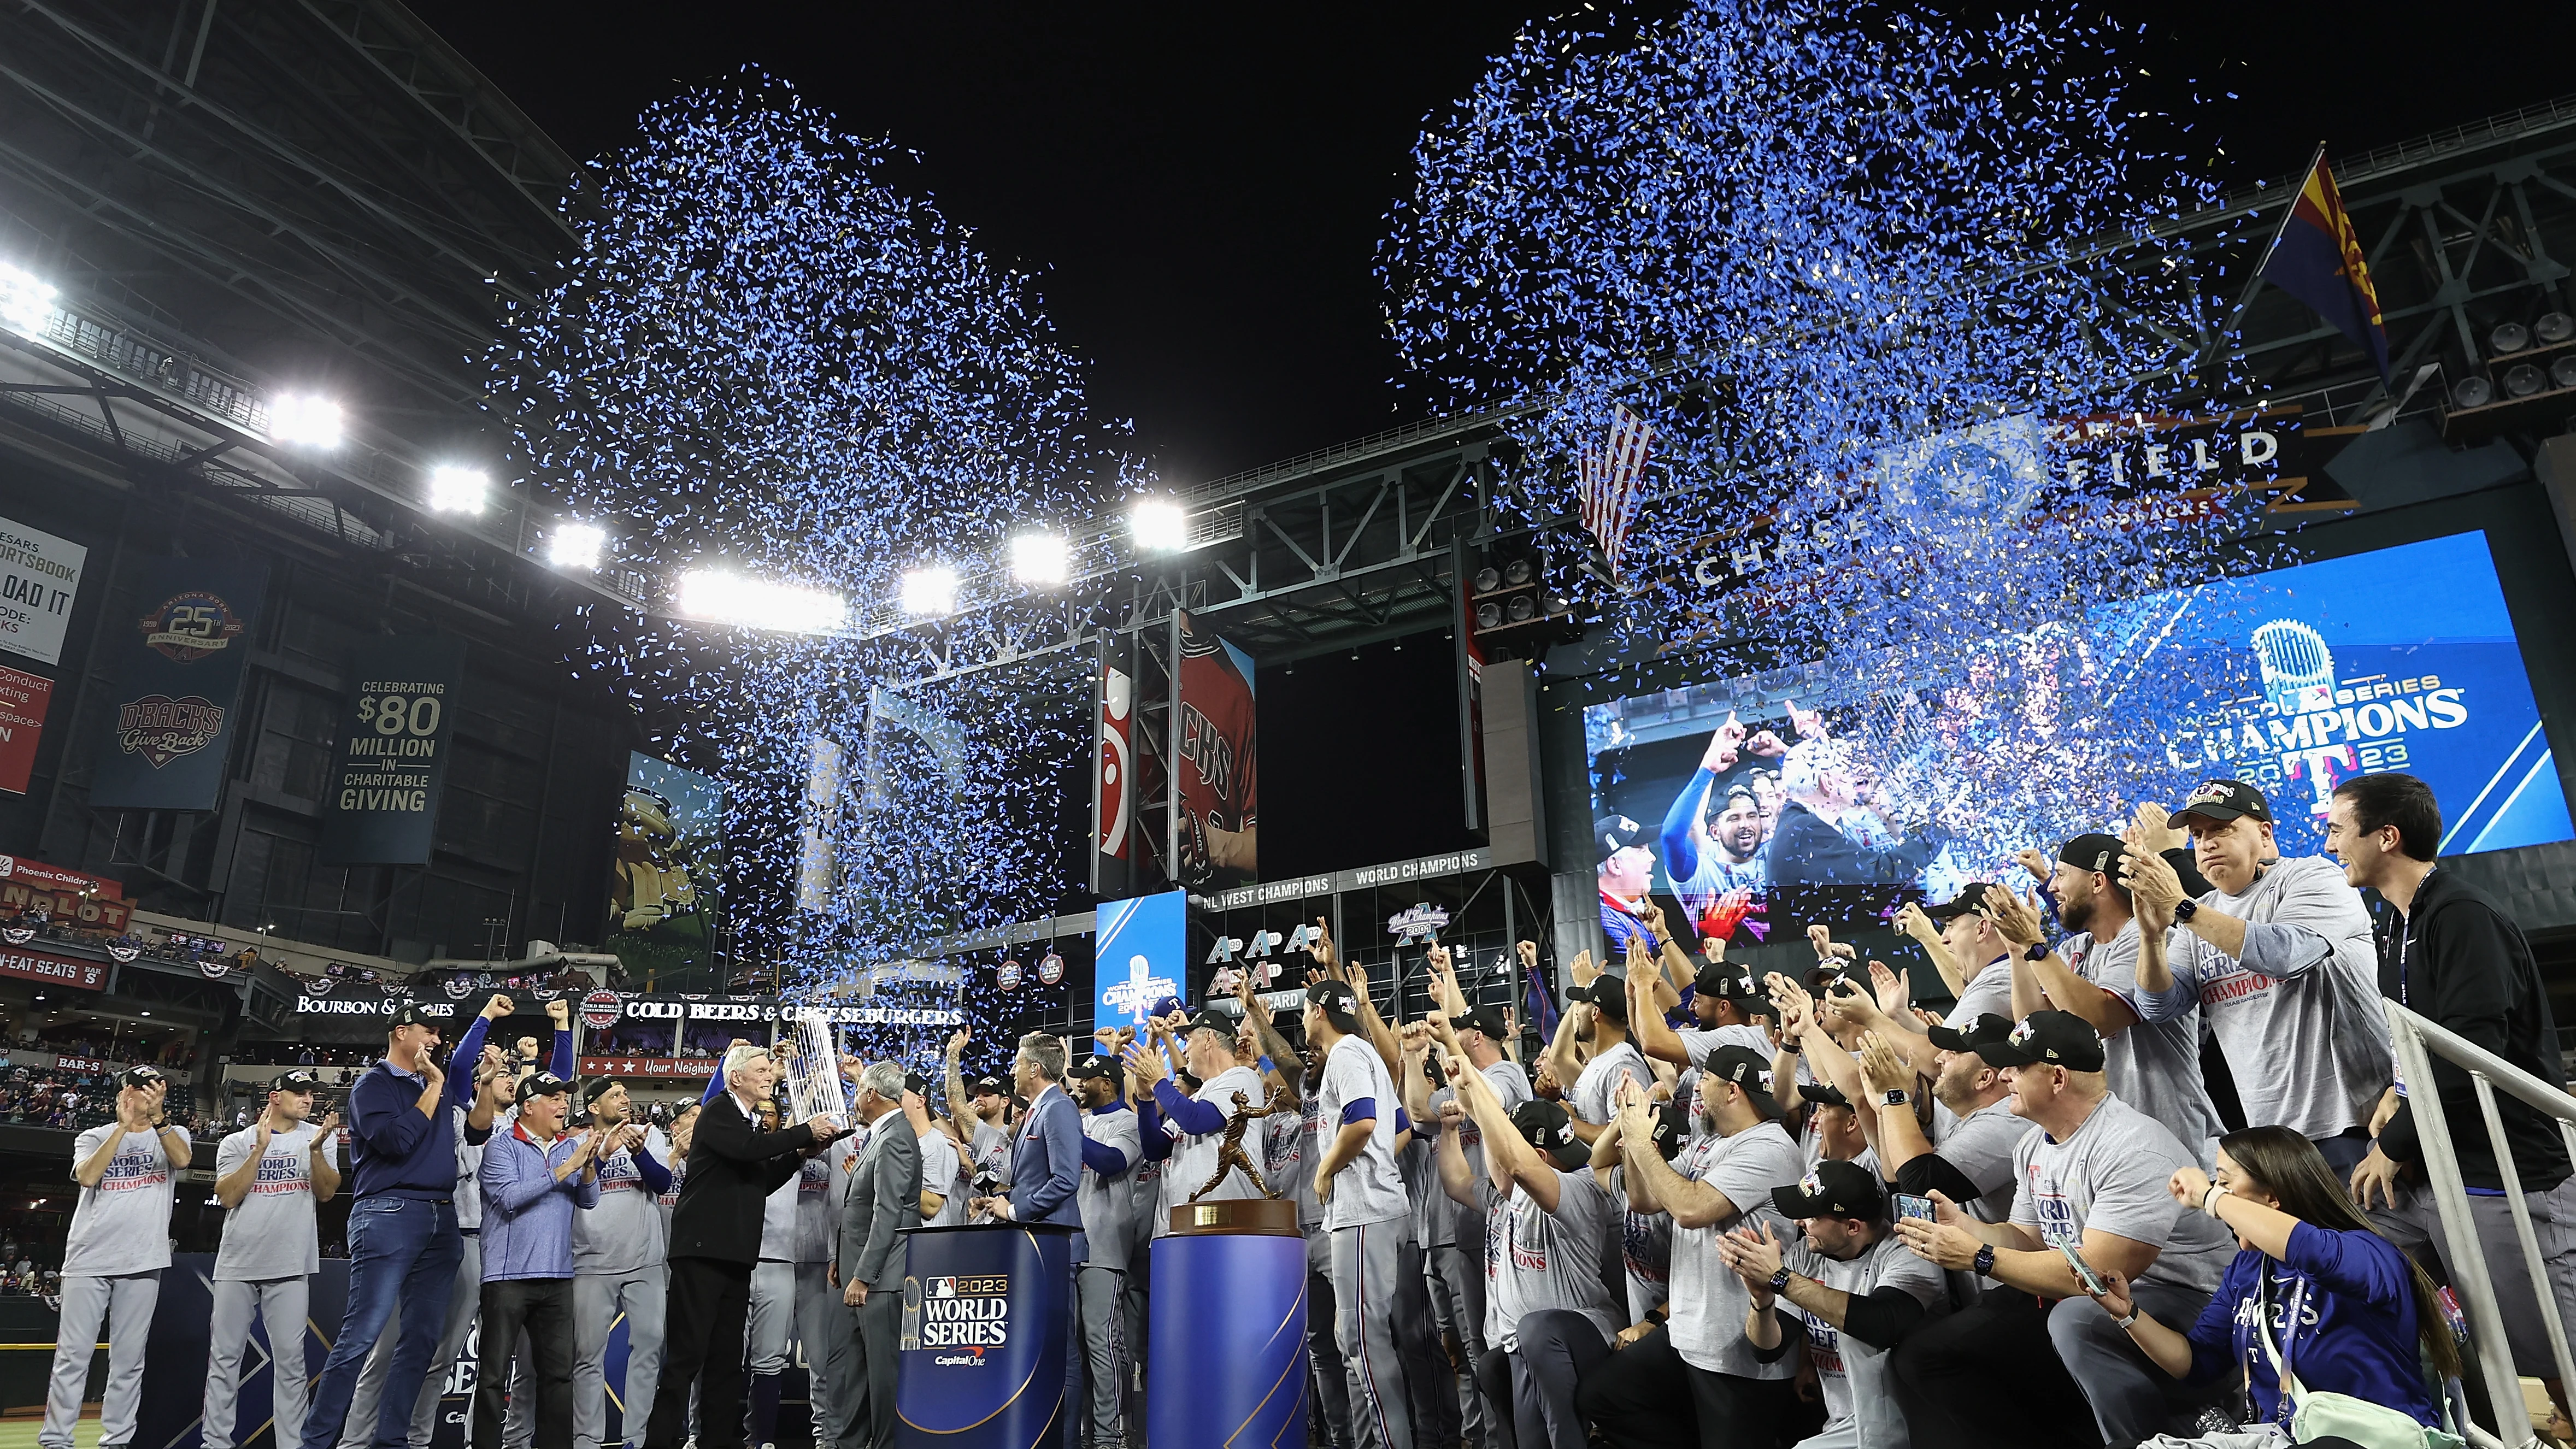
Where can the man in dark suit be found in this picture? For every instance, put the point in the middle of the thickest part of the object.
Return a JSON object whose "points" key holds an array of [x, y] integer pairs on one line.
{"points": [[884, 1199], [715, 1240], [1046, 1168]]}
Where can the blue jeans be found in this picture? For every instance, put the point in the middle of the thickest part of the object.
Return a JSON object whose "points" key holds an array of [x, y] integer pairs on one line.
{"points": [[401, 1251]]}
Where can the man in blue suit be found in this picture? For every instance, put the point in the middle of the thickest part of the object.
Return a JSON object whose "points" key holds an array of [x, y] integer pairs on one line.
{"points": [[1046, 1168]]}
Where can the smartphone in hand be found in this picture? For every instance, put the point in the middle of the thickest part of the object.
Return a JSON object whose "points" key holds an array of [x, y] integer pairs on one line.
{"points": [[2083, 1271], [1910, 1206]]}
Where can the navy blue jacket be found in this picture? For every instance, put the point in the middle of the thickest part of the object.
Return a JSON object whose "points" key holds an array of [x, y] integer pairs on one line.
{"points": [[1046, 1166]]}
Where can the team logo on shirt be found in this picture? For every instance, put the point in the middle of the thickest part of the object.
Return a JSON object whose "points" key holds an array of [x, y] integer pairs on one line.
{"points": [[281, 1173], [128, 1171]]}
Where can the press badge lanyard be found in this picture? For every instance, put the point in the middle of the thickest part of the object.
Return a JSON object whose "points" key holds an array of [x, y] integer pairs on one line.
{"points": [[2406, 944]]}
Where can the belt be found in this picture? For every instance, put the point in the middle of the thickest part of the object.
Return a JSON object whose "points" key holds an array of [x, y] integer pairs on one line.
{"points": [[471, 1232]]}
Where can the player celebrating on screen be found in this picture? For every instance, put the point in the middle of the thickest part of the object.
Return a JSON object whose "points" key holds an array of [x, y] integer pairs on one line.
{"points": [[1712, 839], [1819, 840]]}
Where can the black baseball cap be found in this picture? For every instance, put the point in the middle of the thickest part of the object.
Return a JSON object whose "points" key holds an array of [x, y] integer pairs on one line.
{"points": [[2094, 852], [1832, 1190], [1610, 995], [1823, 1094], [541, 1084], [1970, 896], [296, 1080], [2057, 1038], [2224, 800], [1614, 833], [1481, 1018], [916, 1084], [1216, 1021], [1729, 983], [596, 1088], [990, 1087], [1546, 1126], [1335, 998], [409, 1014], [139, 1076], [1746, 1068], [1672, 1124], [1987, 1027], [1097, 1067]]}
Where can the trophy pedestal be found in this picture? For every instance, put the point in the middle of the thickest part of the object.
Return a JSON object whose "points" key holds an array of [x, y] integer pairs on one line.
{"points": [[1228, 1335], [1270, 1217]]}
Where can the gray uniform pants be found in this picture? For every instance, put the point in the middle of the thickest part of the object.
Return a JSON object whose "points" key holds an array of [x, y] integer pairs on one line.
{"points": [[1431, 1404], [1323, 1354], [1456, 1278], [872, 1328], [1367, 1268], [2414, 1223], [2126, 1391], [280, 1304], [125, 1303], [597, 1300], [464, 1306], [1100, 1294], [791, 1301]]}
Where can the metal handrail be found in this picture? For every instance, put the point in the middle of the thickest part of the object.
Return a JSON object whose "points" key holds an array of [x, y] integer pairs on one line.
{"points": [[2418, 1040]]}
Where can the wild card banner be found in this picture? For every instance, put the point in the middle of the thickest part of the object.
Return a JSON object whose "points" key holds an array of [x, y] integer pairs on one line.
{"points": [[179, 686], [391, 763]]}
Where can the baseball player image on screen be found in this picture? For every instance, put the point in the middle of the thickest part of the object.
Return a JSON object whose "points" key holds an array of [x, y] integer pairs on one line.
{"points": [[1219, 761]]}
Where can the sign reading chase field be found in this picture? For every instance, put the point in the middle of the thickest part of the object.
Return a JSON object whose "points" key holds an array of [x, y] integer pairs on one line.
{"points": [[382, 794]]}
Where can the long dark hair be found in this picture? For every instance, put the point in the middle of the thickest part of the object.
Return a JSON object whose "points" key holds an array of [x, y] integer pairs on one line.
{"points": [[2290, 1168]]}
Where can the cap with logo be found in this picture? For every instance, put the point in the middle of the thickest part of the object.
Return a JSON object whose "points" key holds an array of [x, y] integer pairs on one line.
{"points": [[991, 1087], [1546, 1126], [139, 1076], [1216, 1021], [408, 1014], [2056, 1038], [1334, 998], [1608, 994], [1614, 833], [1987, 1027], [1726, 982], [1823, 1094], [916, 1084], [596, 1088], [1832, 1190], [295, 1080], [2220, 801], [1105, 1067], [2094, 852], [1746, 1068], [541, 1084], [1165, 1006], [1672, 1127], [1970, 896]]}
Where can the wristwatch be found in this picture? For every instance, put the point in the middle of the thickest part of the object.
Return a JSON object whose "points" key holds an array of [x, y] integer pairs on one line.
{"points": [[1985, 1263], [2037, 951], [2184, 910], [1896, 1097], [1780, 1281], [2126, 1322]]}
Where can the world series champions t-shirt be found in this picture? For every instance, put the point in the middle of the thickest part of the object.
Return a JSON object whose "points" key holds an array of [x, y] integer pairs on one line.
{"points": [[123, 1224], [624, 1233], [1852, 1374], [1708, 1301], [2110, 1173], [272, 1234], [1536, 1260], [2153, 1066]]}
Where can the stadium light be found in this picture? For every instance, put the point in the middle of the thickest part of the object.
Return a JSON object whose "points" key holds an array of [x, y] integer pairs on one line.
{"points": [[26, 302], [724, 598], [1041, 558], [1158, 524], [305, 420], [458, 490], [930, 590], [576, 545]]}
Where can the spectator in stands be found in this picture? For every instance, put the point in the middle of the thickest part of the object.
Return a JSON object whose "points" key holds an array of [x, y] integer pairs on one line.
{"points": [[2451, 954], [2313, 1290]]}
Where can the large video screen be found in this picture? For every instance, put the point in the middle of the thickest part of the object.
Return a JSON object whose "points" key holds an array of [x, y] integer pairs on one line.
{"points": [[2294, 680]]}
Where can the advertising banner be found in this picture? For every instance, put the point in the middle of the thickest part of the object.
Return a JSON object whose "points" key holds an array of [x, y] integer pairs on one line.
{"points": [[1219, 761], [178, 687], [670, 863], [53, 970], [71, 897], [39, 578], [1142, 956], [392, 758], [23, 699]]}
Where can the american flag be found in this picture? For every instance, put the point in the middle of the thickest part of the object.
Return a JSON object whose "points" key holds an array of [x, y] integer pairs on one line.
{"points": [[1609, 481]]}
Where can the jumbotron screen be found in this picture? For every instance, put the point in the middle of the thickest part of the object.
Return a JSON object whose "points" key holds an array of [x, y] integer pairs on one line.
{"points": [[2401, 658]]}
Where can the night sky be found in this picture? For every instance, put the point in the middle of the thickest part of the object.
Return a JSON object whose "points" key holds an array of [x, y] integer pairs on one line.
{"points": [[1203, 187]]}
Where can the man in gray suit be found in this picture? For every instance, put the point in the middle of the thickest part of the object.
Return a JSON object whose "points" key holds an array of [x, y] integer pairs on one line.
{"points": [[884, 1199]]}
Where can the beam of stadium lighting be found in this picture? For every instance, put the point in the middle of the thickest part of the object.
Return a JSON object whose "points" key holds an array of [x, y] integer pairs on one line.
{"points": [[930, 590], [1041, 558], [305, 420], [26, 301], [1158, 524], [727, 598], [576, 545], [458, 490]]}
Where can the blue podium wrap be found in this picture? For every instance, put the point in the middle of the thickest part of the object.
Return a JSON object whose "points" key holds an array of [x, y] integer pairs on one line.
{"points": [[174, 1364], [981, 1357], [1228, 1364]]}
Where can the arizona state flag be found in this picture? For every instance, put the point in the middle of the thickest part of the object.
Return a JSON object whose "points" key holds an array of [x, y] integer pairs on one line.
{"points": [[2317, 258]]}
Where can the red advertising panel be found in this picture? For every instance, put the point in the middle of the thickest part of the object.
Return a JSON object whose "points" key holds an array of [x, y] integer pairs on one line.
{"points": [[54, 970], [23, 698], [699, 1068]]}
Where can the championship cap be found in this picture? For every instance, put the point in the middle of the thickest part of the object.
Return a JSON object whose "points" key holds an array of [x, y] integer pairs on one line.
{"points": [[990, 1087], [1482, 1019], [1544, 1125], [409, 1014], [1726, 982], [2057, 1038], [139, 1076], [1090, 1067], [1165, 1007], [295, 1080], [541, 1084], [1672, 1124], [916, 1084], [1970, 896], [1746, 1068], [1823, 1094], [596, 1088], [1987, 1027], [1215, 1021], [1334, 998], [1610, 995], [1614, 833], [2094, 852], [1831, 1190], [2220, 801]]}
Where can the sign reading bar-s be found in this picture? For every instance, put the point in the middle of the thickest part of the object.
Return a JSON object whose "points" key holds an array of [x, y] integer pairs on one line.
{"points": [[39, 577], [391, 762], [179, 687]]}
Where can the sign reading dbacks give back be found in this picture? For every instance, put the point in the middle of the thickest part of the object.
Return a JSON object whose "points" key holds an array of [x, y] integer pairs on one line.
{"points": [[179, 687], [391, 763]]}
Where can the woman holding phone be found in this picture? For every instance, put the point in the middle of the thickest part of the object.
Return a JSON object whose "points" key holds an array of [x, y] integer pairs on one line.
{"points": [[2313, 1286]]}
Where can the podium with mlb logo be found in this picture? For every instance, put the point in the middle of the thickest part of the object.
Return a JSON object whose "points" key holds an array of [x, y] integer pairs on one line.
{"points": [[981, 1356]]}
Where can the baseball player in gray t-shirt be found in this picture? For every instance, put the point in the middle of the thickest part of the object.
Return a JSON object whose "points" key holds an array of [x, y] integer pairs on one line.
{"points": [[269, 1176], [113, 1257]]}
